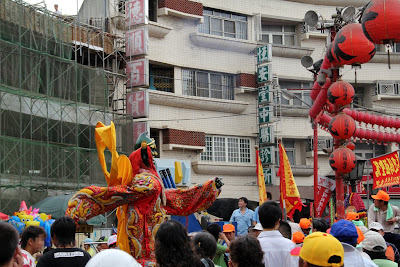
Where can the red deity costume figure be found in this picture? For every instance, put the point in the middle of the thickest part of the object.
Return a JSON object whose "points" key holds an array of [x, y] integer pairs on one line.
{"points": [[135, 188]]}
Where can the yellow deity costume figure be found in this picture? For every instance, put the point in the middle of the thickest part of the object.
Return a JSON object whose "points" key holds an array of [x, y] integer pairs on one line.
{"points": [[135, 188]]}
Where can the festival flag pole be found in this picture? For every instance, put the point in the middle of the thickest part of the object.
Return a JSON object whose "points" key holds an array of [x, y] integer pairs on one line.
{"points": [[262, 192], [290, 197]]}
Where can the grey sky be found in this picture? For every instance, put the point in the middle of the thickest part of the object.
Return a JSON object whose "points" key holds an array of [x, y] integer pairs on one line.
{"points": [[67, 7]]}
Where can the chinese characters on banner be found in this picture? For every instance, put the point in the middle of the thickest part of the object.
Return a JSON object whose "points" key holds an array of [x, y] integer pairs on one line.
{"points": [[264, 53], [137, 104], [324, 191], [137, 72], [267, 155], [264, 74], [264, 94], [386, 170], [137, 42], [138, 128], [267, 135], [136, 12]]}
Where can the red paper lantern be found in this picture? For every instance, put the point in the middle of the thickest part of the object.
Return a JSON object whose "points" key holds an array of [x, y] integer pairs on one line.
{"points": [[351, 46], [360, 133], [379, 120], [374, 135], [367, 118], [385, 122], [381, 137], [340, 93], [342, 160], [354, 114], [373, 119], [391, 123], [360, 116], [351, 145], [342, 126], [381, 21]]}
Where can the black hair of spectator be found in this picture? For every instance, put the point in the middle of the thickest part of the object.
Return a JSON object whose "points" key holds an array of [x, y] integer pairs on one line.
{"points": [[9, 242], [205, 245], [269, 196], [246, 251], [63, 229], [285, 229], [173, 247], [214, 229], [245, 200], [269, 214], [31, 232], [320, 224], [376, 255]]}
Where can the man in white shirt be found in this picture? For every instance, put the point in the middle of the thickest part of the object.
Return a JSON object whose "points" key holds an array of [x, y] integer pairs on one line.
{"points": [[276, 248], [32, 241]]}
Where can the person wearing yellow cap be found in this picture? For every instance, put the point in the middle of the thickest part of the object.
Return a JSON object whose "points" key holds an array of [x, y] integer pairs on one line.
{"points": [[320, 249], [385, 214]]}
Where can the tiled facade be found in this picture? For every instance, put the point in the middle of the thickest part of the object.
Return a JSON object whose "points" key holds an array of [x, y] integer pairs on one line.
{"points": [[185, 48]]}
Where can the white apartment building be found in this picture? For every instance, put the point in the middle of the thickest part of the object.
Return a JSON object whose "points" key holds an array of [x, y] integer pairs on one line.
{"points": [[203, 91]]}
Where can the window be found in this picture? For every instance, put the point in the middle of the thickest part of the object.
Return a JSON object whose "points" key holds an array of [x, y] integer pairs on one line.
{"points": [[289, 147], [279, 34], [226, 149], [296, 93], [368, 151], [207, 84], [223, 23]]}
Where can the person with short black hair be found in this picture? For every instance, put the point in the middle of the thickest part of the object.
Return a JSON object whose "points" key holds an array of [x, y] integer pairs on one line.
{"points": [[242, 216], [66, 254], [10, 253], [276, 248], [319, 225], [32, 241], [285, 229], [246, 251]]}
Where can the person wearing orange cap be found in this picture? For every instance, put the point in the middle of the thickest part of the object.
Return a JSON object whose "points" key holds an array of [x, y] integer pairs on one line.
{"points": [[385, 214], [305, 225], [298, 237]]}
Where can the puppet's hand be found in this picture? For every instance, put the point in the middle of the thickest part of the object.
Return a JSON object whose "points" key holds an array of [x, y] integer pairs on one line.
{"points": [[218, 182]]}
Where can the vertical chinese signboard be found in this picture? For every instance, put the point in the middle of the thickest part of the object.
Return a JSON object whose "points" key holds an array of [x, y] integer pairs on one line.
{"points": [[138, 128], [137, 37], [137, 72], [265, 112], [136, 12], [137, 104], [137, 42]]}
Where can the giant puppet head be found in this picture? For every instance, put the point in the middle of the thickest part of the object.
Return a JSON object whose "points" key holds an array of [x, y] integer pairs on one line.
{"points": [[142, 157]]}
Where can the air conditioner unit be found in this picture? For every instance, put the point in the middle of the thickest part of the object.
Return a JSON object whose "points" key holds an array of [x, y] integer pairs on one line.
{"points": [[387, 88]]}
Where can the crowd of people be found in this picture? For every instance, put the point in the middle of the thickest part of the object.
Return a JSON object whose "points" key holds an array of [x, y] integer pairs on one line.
{"points": [[266, 241]]}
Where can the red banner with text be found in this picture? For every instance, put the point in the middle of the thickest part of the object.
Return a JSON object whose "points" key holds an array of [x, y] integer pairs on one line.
{"points": [[325, 188], [386, 170]]}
